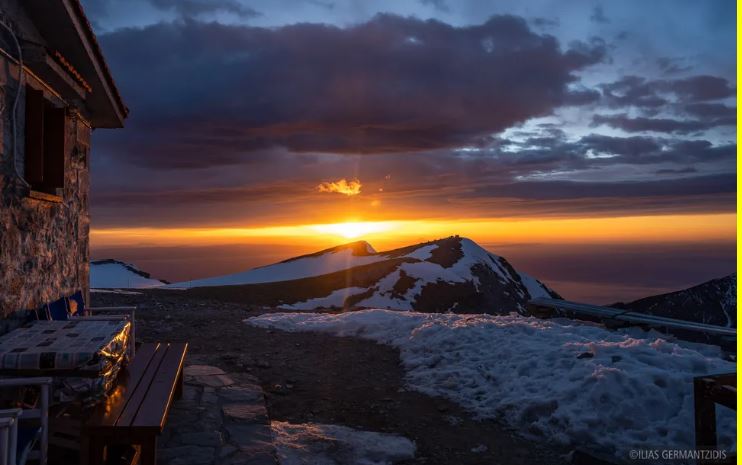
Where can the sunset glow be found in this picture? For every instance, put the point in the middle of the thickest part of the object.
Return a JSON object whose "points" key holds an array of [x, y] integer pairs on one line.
{"points": [[638, 229], [572, 140], [352, 230]]}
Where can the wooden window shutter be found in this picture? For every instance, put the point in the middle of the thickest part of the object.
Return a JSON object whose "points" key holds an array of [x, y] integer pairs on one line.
{"points": [[54, 132], [34, 159]]}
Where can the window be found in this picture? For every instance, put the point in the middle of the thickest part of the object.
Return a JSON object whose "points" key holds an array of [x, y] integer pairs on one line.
{"points": [[44, 160]]}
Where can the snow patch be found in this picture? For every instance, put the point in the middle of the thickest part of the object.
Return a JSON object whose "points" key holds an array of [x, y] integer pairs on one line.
{"points": [[119, 275], [423, 253], [533, 286], [570, 382], [318, 444]]}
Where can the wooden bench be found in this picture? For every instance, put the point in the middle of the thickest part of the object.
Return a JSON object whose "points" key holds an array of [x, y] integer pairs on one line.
{"points": [[136, 410]]}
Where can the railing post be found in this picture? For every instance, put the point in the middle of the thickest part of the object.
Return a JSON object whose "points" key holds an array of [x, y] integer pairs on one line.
{"points": [[705, 413]]}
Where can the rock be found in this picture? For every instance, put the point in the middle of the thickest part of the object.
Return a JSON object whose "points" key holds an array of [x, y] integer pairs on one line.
{"points": [[250, 436], [190, 393], [242, 394], [253, 413], [194, 454], [209, 400], [227, 451], [586, 355], [254, 458], [263, 364], [203, 438], [202, 370], [213, 381]]}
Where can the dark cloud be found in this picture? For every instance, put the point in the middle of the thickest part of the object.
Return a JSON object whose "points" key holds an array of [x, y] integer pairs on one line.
{"points": [[598, 16], [686, 170], [632, 91], [698, 88], [561, 190], [439, 5], [322, 3], [712, 110], [193, 8], [581, 97], [645, 150], [651, 95], [666, 125], [670, 65], [210, 93], [545, 22]]}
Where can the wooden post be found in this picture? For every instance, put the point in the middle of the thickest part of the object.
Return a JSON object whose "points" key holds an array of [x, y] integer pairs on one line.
{"points": [[705, 413]]}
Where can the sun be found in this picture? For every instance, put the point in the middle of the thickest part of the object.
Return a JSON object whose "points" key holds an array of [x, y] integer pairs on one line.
{"points": [[353, 229]]}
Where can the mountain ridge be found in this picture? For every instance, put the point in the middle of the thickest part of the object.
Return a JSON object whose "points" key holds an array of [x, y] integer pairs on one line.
{"points": [[450, 274], [711, 302]]}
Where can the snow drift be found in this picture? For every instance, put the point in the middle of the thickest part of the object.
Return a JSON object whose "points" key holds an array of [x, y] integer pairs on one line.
{"points": [[570, 382]]}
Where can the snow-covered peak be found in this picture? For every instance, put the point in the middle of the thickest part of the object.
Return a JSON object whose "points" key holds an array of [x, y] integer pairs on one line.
{"points": [[116, 274], [451, 274]]}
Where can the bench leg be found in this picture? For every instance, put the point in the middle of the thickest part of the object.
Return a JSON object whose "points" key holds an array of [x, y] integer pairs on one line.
{"points": [[92, 451], [149, 451]]}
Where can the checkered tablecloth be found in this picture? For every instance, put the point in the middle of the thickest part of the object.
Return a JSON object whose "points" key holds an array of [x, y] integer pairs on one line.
{"points": [[49, 346]]}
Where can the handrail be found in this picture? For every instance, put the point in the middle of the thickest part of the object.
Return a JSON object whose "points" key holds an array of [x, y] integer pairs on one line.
{"points": [[565, 306]]}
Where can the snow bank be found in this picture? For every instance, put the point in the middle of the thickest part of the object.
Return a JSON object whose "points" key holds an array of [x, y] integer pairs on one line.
{"points": [[317, 444], [571, 382]]}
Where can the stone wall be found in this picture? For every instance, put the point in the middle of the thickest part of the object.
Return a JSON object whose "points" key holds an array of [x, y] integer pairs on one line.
{"points": [[43, 242]]}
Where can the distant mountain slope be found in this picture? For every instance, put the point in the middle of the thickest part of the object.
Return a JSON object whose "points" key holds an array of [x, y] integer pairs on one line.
{"points": [[713, 302], [116, 274], [316, 264], [452, 274]]}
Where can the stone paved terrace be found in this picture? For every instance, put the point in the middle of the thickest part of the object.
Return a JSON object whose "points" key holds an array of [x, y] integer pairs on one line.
{"points": [[221, 419]]}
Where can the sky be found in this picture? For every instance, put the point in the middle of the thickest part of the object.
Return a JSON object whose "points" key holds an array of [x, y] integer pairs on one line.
{"points": [[591, 143]]}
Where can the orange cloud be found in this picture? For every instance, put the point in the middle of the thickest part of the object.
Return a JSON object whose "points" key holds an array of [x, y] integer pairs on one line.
{"points": [[352, 187]]}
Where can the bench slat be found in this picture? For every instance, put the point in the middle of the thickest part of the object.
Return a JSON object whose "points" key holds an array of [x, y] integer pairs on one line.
{"points": [[107, 413], [136, 397], [156, 405]]}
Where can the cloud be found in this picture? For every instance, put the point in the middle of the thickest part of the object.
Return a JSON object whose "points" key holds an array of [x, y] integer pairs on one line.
{"points": [[672, 65], [192, 8], [349, 188], [653, 94], [362, 89], [666, 125], [439, 5], [598, 16], [698, 88]]}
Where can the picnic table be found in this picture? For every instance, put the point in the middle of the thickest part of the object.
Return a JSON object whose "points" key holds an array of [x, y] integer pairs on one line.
{"points": [[83, 356]]}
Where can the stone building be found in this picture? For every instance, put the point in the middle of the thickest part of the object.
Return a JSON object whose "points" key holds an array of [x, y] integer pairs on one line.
{"points": [[55, 88]]}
